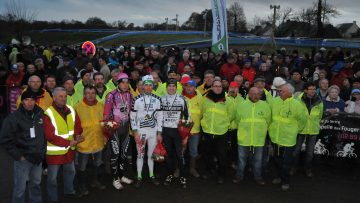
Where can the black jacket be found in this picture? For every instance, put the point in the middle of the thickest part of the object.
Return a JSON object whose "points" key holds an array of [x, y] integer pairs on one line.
{"points": [[15, 135], [311, 102]]}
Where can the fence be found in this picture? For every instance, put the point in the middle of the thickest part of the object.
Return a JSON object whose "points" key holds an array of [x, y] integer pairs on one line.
{"points": [[234, 39]]}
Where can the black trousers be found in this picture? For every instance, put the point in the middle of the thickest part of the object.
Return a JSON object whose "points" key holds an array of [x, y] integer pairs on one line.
{"points": [[233, 150], [283, 158], [119, 143], [173, 144], [215, 146]]}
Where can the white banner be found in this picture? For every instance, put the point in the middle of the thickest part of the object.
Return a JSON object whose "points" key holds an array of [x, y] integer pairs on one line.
{"points": [[219, 31]]}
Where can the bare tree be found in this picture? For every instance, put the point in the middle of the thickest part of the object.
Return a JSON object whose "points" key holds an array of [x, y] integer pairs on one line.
{"points": [[257, 21], [309, 15], [286, 14], [20, 16], [18, 10], [330, 11], [282, 15], [236, 18], [120, 24]]}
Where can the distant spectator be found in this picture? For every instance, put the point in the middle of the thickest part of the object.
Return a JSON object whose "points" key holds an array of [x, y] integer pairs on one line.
{"points": [[296, 80], [104, 69], [264, 71], [13, 55], [353, 105], [345, 90], [229, 69], [248, 72], [185, 61], [322, 91], [333, 103]]}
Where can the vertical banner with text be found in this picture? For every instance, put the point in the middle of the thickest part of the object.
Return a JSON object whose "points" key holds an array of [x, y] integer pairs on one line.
{"points": [[219, 31]]}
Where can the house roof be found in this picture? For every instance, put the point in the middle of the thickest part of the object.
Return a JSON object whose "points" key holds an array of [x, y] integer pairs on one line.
{"points": [[344, 27], [260, 30], [294, 29], [303, 29]]}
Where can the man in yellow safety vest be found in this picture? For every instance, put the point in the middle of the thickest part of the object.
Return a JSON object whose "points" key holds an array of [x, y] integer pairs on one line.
{"points": [[63, 132]]}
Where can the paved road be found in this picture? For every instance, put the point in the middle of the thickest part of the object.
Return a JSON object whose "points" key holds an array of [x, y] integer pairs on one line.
{"points": [[332, 183]]}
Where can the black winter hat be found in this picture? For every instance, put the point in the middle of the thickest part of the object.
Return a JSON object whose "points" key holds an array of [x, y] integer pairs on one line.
{"points": [[171, 81], [28, 94]]}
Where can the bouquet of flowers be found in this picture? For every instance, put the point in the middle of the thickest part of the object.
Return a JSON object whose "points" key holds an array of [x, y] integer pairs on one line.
{"points": [[184, 128], [159, 153], [109, 127]]}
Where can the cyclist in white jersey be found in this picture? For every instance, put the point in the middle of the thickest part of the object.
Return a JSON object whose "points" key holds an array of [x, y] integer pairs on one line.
{"points": [[146, 121]]}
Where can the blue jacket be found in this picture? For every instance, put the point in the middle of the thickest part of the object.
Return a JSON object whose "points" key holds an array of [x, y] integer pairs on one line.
{"points": [[339, 104]]}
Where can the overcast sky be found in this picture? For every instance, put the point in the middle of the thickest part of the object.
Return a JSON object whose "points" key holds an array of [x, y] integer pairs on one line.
{"points": [[142, 11]]}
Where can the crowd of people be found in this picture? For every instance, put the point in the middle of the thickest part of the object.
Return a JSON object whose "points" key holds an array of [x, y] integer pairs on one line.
{"points": [[244, 107]]}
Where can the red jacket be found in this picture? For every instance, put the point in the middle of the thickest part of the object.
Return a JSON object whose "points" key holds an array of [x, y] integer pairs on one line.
{"points": [[339, 78], [249, 74], [182, 64], [14, 79], [229, 71], [59, 141]]}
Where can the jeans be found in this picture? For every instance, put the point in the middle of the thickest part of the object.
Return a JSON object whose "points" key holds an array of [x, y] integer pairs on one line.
{"points": [[84, 158], [283, 158], [215, 145], [266, 155], [309, 151], [68, 175], [193, 143], [26, 171], [173, 145], [257, 154]]}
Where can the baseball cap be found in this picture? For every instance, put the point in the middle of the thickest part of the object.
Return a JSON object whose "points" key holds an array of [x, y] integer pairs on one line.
{"points": [[234, 84], [148, 79], [191, 83]]}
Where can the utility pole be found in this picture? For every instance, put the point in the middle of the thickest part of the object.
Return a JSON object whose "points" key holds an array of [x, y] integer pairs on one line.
{"points": [[166, 23], [205, 18], [176, 22], [275, 7]]}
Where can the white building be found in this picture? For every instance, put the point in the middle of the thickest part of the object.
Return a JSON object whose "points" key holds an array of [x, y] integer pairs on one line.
{"points": [[348, 29]]}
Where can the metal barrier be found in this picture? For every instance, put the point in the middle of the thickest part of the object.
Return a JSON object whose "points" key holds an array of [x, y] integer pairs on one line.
{"points": [[234, 39]]}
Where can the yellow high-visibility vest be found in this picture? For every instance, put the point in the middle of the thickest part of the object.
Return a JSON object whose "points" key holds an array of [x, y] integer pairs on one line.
{"points": [[64, 129]]}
